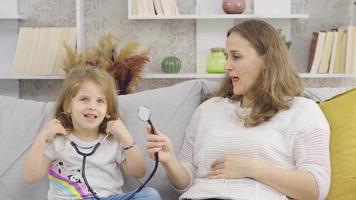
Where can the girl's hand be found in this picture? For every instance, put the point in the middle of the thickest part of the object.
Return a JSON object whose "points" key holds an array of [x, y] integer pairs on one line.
{"points": [[159, 143], [118, 129], [52, 128], [232, 167]]}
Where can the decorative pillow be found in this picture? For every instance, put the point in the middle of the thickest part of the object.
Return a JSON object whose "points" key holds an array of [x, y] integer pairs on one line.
{"points": [[341, 114]]}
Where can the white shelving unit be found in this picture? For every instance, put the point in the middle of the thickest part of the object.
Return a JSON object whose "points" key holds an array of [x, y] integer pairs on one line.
{"points": [[9, 83], [212, 25], [8, 37]]}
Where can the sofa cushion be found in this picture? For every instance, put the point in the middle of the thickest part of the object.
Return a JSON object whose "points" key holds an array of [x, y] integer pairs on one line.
{"points": [[19, 122], [341, 114], [324, 93], [171, 109]]}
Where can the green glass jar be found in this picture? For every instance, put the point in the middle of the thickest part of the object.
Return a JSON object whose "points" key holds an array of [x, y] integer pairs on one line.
{"points": [[216, 60]]}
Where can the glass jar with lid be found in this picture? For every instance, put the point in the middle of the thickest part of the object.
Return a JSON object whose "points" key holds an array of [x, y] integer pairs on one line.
{"points": [[216, 60]]}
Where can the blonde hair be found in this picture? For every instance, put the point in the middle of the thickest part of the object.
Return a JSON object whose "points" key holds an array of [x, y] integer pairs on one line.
{"points": [[74, 80], [276, 83]]}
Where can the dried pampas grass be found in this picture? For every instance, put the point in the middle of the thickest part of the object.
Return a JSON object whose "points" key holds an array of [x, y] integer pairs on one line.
{"points": [[125, 64]]}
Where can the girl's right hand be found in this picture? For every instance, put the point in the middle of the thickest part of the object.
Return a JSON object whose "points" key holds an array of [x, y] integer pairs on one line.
{"points": [[52, 128], [159, 143]]}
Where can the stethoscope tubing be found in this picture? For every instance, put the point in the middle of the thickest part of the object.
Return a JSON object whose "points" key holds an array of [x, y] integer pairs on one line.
{"points": [[85, 155], [95, 147], [153, 171]]}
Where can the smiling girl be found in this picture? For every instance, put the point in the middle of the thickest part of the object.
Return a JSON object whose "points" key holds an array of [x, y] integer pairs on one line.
{"points": [[86, 142]]}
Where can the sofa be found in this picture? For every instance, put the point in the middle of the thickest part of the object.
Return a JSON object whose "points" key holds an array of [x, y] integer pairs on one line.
{"points": [[171, 109]]}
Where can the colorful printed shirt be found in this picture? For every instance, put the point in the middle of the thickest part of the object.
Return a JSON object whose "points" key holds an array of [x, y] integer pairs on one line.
{"points": [[101, 169]]}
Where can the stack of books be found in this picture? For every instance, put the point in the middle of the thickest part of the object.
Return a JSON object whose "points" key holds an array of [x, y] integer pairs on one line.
{"points": [[333, 51], [41, 51], [154, 7]]}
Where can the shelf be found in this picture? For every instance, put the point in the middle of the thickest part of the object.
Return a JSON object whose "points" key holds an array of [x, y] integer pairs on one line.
{"points": [[170, 76], [182, 76], [15, 17], [28, 77], [146, 76], [309, 75], [224, 16]]}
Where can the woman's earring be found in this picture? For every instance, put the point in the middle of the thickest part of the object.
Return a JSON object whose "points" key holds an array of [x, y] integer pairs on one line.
{"points": [[108, 116]]}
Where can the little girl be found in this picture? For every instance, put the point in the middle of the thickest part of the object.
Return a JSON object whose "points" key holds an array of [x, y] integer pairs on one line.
{"points": [[83, 147]]}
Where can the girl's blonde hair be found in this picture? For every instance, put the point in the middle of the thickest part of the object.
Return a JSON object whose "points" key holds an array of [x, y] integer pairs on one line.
{"points": [[276, 83], [74, 80]]}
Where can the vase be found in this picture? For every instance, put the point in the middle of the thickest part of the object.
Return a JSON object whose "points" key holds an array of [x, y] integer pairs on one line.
{"points": [[234, 6], [171, 64]]}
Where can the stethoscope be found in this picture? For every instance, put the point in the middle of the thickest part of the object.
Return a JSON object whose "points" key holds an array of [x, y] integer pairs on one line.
{"points": [[85, 155], [143, 114]]}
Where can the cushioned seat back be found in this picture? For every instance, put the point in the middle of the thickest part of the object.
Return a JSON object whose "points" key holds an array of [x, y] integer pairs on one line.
{"points": [[171, 109], [20, 120]]}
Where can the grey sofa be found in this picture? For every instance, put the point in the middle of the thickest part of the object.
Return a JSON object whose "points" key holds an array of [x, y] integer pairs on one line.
{"points": [[20, 120], [171, 109]]}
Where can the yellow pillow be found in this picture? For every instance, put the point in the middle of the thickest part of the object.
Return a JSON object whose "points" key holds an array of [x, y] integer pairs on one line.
{"points": [[341, 114]]}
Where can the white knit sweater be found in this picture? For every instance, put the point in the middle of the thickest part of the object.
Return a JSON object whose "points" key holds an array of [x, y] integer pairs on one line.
{"points": [[295, 139]]}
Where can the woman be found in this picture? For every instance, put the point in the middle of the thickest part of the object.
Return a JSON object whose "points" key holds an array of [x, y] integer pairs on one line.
{"points": [[259, 138]]}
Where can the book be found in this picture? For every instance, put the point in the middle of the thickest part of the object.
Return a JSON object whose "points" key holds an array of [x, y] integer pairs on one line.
{"points": [[134, 11], [158, 7], [325, 58], [150, 7], [41, 51], [340, 66], [339, 51], [29, 68], [318, 52], [349, 49], [174, 7], [333, 52], [312, 49], [20, 48], [140, 8], [166, 7], [353, 66]]}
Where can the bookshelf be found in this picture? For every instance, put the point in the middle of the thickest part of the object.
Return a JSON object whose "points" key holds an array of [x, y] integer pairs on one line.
{"points": [[9, 23], [212, 24]]}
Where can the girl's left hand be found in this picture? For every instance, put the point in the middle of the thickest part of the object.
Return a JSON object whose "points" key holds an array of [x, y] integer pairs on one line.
{"points": [[117, 129], [232, 167]]}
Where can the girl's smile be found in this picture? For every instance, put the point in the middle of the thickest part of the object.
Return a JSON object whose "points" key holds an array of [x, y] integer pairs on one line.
{"points": [[88, 109]]}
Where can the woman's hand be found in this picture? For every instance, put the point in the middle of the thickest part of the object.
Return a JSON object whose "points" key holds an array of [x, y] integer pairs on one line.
{"points": [[232, 167], [159, 143], [52, 128], [118, 129]]}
